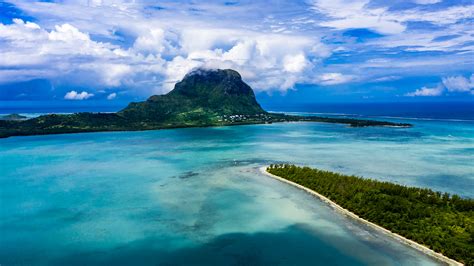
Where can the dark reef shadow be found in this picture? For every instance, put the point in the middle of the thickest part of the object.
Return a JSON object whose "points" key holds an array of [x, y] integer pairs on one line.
{"points": [[292, 246]]}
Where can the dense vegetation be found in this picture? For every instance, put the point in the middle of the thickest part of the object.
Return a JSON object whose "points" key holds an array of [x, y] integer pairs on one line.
{"points": [[202, 98], [442, 222]]}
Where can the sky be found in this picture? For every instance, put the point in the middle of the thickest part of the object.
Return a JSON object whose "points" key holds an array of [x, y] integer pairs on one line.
{"points": [[106, 51]]}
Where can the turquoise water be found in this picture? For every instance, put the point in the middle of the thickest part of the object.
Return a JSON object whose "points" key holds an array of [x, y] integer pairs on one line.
{"points": [[195, 196]]}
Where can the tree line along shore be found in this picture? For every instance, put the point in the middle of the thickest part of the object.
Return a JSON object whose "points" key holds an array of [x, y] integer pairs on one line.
{"points": [[440, 221]]}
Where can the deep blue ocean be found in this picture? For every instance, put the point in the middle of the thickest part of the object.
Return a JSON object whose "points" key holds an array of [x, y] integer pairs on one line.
{"points": [[406, 110], [410, 110], [195, 196]]}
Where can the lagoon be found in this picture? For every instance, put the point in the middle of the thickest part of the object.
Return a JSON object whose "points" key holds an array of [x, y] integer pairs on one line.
{"points": [[195, 196]]}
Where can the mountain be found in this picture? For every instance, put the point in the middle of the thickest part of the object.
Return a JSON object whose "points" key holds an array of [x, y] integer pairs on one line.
{"points": [[202, 98]]}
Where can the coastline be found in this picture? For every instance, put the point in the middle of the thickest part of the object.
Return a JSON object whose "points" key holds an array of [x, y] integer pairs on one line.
{"points": [[239, 123], [425, 250]]}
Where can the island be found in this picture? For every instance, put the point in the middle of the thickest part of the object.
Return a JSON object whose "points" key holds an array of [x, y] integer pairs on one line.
{"points": [[203, 98], [438, 224], [13, 117]]}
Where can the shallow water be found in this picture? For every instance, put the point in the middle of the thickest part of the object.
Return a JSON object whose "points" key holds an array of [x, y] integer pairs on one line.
{"points": [[195, 196]]}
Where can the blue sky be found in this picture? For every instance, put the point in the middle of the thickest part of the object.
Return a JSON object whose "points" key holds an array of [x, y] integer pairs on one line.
{"points": [[305, 51]]}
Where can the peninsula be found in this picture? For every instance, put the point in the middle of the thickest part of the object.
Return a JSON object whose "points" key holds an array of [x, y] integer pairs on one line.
{"points": [[203, 98], [438, 224]]}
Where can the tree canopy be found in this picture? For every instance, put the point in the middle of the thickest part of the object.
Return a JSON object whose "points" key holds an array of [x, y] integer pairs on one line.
{"points": [[440, 221]]}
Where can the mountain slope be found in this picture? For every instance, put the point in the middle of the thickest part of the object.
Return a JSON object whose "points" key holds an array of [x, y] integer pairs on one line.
{"points": [[202, 95]]}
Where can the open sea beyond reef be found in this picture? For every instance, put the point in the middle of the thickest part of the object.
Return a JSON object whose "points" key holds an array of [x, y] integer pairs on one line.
{"points": [[195, 196]]}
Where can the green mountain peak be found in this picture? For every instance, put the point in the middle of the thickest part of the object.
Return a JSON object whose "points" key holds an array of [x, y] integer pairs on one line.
{"points": [[203, 95]]}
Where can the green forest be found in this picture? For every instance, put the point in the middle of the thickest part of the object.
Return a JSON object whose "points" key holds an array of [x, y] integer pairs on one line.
{"points": [[440, 221]]}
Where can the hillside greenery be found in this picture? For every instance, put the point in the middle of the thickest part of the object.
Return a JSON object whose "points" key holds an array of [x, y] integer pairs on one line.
{"points": [[440, 221]]}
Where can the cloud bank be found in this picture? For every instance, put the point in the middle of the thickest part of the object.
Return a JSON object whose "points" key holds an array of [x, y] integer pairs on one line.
{"points": [[159, 57], [141, 48]]}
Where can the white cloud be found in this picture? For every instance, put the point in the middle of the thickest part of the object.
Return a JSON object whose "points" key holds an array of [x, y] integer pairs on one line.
{"points": [[58, 51], [153, 41], [458, 83], [350, 14], [262, 59], [112, 96], [294, 63], [423, 42], [148, 50], [334, 78], [444, 16], [427, 2], [110, 74], [68, 34], [346, 14], [386, 78], [425, 91], [161, 54], [74, 95]]}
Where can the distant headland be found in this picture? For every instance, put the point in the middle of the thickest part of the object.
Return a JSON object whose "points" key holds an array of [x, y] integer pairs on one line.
{"points": [[203, 98]]}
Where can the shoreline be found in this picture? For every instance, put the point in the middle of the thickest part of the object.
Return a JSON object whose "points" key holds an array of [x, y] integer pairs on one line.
{"points": [[425, 250], [183, 126]]}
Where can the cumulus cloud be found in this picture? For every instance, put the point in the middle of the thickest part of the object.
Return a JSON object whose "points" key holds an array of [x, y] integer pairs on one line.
{"points": [[294, 63], [112, 96], [152, 41], [425, 91], [74, 95], [458, 83], [135, 46], [57, 52], [161, 55]]}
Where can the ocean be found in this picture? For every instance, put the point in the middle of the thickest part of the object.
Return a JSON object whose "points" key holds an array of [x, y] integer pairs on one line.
{"points": [[406, 110], [452, 111], [195, 196]]}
